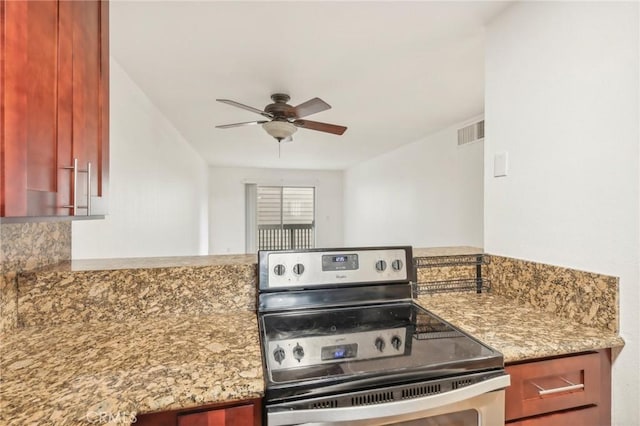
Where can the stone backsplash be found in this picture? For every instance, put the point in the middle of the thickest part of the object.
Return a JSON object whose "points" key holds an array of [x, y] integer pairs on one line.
{"points": [[445, 273], [142, 288], [123, 289], [123, 294], [23, 247], [583, 297]]}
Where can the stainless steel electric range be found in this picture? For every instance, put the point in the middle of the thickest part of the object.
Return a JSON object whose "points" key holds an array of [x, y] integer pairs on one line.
{"points": [[344, 344]]}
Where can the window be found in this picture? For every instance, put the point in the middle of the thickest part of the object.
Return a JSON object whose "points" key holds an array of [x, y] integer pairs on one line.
{"points": [[285, 217]]}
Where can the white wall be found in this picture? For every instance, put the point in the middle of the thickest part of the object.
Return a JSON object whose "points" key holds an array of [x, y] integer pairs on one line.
{"points": [[158, 185], [562, 100], [427, 194], [227, 203]]}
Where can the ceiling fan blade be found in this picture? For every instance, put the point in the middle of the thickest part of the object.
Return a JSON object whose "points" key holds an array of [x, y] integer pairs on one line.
{"points": [[247, 107], [322, 127], [246, 123], [310, 107]]}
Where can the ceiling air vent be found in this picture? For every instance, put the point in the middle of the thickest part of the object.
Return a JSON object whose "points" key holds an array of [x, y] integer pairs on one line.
{"points": [[471, 133]]}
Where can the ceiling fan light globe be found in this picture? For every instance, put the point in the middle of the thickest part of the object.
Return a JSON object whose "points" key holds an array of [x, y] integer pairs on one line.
{"points": [[279, 129]]}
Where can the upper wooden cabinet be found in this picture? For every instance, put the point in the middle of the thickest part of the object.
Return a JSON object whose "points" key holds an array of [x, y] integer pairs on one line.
{"points": [[54, 83]]}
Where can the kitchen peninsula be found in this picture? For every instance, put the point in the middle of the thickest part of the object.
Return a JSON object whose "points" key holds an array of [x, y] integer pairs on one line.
{"points": [[142, 336]]}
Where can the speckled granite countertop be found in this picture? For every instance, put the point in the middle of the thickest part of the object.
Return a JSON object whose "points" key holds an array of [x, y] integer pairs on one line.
{"points": [[169, 356], [61, 375], [211, 260], [446, 251], [65, 375], [518, 331], [151, 262]]}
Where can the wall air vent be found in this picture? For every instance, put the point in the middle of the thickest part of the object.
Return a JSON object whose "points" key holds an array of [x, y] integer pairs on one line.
{"points": [[471, 133]]}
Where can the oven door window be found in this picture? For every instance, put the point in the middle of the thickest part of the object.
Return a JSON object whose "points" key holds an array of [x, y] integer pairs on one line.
{"points": [[460, 418]]}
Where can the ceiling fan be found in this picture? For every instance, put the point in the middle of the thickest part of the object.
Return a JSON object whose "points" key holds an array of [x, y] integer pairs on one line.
{"points": [[285, 119]]}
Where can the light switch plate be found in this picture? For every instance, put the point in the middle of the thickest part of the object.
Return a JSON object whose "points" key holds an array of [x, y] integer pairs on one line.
{"points": [[500, 164]]}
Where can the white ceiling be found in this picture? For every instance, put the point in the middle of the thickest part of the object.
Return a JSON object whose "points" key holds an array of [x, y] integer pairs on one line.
{"points": [[392, 71]]}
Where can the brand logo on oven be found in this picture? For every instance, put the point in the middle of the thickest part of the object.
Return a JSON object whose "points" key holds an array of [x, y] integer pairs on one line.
{"points": [[341, 276]]}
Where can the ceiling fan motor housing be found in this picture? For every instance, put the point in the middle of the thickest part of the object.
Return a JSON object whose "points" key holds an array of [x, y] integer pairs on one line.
{"points": [[280, 108]]}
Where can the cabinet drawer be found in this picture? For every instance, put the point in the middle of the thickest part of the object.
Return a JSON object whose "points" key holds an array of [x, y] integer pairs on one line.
{"points": [[553, 385], [581, 416], [248, 413], [234, 416]]}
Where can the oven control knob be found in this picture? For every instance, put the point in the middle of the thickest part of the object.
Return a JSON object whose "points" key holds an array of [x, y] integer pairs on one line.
{"points": [[298, 352], [396, 342], [278, 354], [279, 269], [396, 264], [298, 268], [381, 265], [379, 344]]}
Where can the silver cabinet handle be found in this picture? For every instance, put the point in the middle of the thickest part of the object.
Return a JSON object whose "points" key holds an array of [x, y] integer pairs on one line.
{"points": [[74, 187], [74, 206], [89, 188], [571, 387]]}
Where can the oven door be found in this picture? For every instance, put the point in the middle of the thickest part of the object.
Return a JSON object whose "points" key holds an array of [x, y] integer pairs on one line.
{"points": [[479, 404]]}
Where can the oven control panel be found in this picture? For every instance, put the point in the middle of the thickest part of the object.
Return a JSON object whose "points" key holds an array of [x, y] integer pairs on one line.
{"points": [[315, 350], [320, 267]]}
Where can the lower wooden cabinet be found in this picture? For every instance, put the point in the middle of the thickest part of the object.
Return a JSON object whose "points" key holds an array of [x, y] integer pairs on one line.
{"points": [[580, 417], [234, 416], [236, 413], [566, 390]]}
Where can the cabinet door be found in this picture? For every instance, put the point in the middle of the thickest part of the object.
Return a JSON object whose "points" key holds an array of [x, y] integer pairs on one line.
{"points": [[85, 105], [55, 107], [234, 416], [30, 143], [89, 77]]}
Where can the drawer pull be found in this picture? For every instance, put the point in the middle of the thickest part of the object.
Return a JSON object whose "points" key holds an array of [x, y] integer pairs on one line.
{"points": [[571, 387]]}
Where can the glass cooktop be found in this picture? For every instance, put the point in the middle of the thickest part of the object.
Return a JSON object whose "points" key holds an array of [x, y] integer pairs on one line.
{"points": [[368, 345]]}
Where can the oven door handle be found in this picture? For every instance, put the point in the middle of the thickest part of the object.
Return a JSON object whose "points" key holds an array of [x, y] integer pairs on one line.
{"points": [[388, 409]]}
